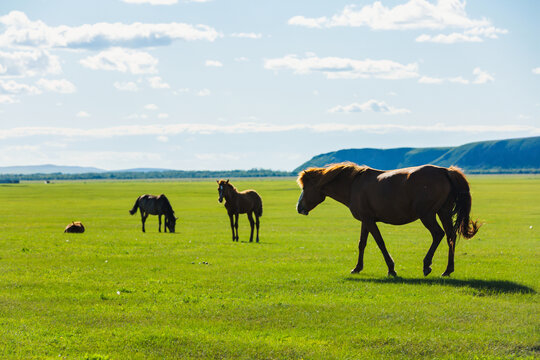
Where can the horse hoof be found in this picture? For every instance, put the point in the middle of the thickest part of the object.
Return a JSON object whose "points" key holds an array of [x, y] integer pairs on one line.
{"points": [[392, 273], [446, 273], [427, 271], [356, 270]]}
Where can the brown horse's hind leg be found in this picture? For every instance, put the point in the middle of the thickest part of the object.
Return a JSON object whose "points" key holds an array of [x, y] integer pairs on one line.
{"points": [[446, 220], [143, 219], [236, 225], [232, 226], [374, 230], [364, 233], [159, 226], [430, 222], [252, 224], [257, 223]]}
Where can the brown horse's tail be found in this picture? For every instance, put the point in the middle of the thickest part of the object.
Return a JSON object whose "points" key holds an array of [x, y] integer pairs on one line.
{"points": [[135, 207], [258, 210], [462, 204]]}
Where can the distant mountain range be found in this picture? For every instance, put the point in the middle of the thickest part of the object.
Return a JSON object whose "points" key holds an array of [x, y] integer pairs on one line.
{"points": [[55, 169], [48, 169], [512, 155], [499, 156]]}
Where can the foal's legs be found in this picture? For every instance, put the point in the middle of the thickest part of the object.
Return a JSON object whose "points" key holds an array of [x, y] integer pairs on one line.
{"points": [[236, 225], [232, 226], [364, 233], [374, 230], [446, 220], [159, 227], [430, 222], [252, 224]]}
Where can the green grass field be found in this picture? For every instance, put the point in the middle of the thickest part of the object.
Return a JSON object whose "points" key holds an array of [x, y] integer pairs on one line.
{"points": [[116, 293]]}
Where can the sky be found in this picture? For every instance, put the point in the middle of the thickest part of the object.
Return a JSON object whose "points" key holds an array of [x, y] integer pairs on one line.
{"points": [[243, 84]]}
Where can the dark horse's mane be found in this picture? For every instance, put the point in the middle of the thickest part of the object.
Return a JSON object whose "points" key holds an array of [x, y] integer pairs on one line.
{"points": [[168, 207], [326, 174]]}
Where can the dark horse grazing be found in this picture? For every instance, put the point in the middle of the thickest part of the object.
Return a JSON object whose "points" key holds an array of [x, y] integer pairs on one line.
{"points": [[240, 203], [155, 205], [395, 197]]}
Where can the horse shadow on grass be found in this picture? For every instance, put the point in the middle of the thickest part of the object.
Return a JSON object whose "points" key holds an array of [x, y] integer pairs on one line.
{"points": [[482, 287]]}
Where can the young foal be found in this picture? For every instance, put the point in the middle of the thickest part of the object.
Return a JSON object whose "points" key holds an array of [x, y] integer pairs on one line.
{"points": [[155, 205], [395, 197], [240, 203]]}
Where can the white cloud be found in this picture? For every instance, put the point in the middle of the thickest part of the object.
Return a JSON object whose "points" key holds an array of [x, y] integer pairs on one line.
{"points": [[344, 68], [448, 39], [308, 22], [82, 114], [241, 59], [151, 107], [12, 87], [203, 92], [7, 99], [430, 80], [28, 63], [19, 30], [213, 63], [247, 35], [162, 138], [156, 82], [163, 116], [414, 14], [482, 77], [369, 106], [152, 2], [255, 127], [536, 71], [62, 86], [123, 60], [126, 86]]}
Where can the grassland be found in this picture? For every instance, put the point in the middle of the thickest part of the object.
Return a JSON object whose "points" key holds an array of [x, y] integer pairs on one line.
{"points": [[114, 292]]}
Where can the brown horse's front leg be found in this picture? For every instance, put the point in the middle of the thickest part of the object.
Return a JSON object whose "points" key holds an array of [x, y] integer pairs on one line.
{"points": [[374, 230], [361, 246], [252, 224], [159, 226], [232, 226]]}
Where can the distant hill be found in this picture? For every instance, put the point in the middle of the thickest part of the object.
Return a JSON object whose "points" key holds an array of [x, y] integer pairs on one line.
{"points": [[48, 169], [512, 155]]}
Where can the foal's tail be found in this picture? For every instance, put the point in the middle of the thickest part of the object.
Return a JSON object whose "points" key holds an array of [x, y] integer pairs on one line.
{"points": [[258, 210], [462, 204], [135, 207]]}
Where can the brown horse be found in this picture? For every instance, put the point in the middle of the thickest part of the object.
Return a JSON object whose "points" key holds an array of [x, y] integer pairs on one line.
{"points": [[240, 203], [74, 227], [155, 205], [395, 197]]}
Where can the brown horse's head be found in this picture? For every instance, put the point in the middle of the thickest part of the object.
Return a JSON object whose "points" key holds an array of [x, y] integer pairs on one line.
{"points": [[311, 196], [223, 188], [170, 223]]}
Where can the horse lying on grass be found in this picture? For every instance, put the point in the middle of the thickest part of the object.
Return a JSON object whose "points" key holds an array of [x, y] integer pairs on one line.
{"points": [[395, 197], [74, 227], [155, 205], [245, 202]]}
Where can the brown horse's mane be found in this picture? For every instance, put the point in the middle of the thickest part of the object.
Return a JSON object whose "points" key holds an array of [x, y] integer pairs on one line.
{"points": [[227, 183], [323, 175]]}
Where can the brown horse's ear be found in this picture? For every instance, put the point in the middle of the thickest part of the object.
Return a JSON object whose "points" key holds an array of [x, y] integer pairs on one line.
{"points": [[227, 181], [217, 181]]}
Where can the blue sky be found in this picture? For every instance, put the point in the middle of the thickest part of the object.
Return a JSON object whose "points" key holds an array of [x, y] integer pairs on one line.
{"points": [[232, 84]]}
